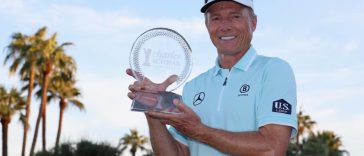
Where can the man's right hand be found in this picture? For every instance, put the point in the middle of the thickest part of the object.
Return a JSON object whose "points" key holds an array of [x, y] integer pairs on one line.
{"points": [[160, 138], [146, 84]]}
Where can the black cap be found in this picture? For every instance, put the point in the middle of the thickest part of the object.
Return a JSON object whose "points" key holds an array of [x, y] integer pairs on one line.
{"points": [[208, 3]]}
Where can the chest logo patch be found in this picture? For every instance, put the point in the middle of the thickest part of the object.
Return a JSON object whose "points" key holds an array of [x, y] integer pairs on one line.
{"points": [[199, 97], [244, 89], [282, 106]]}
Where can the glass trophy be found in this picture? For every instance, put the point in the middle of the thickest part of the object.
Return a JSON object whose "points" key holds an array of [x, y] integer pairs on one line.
{"points": [[156, 55]]}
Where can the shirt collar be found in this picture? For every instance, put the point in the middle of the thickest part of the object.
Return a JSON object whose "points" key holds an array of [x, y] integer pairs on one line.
{"points": [[243, 64]]}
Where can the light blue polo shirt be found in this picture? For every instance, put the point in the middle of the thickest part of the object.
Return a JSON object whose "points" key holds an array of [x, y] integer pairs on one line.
{"points": [[258, 90]]}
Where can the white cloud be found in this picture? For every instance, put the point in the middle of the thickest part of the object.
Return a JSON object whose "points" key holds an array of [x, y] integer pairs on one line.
{"points": [[88, 20], [335, 89], [350, 48], [12, 5], [83, 20]]}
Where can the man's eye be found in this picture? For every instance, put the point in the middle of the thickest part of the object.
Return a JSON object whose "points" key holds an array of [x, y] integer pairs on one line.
{"points": [[237, 16], [215, 18]]}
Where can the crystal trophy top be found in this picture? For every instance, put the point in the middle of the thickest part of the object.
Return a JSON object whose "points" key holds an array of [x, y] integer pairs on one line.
{"points": [[159, 53]]}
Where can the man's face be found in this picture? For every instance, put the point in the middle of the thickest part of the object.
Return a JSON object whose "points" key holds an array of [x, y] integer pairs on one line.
{"points": [[231, 27]]}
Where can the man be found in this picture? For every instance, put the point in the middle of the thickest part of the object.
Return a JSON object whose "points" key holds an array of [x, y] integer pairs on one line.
{"points": [[245, 105]]}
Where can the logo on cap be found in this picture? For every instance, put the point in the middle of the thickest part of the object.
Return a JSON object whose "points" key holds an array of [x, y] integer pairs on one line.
{"points": [[208, 3]]}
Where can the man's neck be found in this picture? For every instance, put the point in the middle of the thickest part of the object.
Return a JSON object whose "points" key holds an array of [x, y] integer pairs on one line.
{"points": [[228, 61]]}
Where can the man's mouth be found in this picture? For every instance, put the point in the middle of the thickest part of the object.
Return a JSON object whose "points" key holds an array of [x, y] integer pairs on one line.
{"points": [[227, 38]]}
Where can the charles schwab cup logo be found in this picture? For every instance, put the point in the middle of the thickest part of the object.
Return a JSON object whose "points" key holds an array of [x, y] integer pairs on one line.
{"points": [[199, 97], [282, 106]]}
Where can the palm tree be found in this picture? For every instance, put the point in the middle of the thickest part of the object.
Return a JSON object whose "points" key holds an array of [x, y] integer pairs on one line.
{"points": [[23, 52], [89, 148], [305, 124], [324, 143], [82, 148], [63, 88], [53, 58], [133, 139], [10, 103]]}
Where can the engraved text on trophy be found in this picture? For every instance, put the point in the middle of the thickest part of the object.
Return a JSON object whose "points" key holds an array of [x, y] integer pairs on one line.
{"points": [[166, 59]]}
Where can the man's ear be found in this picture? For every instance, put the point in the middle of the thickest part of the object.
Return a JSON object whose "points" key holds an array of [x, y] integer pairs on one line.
{"points": [[254, 22], [206, 20]]}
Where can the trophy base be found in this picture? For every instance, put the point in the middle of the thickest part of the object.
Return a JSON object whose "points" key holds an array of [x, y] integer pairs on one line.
{"points": [[159, 101]]}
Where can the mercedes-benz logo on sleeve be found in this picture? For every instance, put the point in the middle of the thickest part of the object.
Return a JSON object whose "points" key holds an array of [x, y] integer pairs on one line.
{"points": [[199, 97]]}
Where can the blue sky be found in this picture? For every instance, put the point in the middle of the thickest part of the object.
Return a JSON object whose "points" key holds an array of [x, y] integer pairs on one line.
{"points": [[322, 40]]}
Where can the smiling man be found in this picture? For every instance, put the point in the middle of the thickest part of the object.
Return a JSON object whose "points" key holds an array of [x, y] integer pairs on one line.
{"points": [[244, 105]]}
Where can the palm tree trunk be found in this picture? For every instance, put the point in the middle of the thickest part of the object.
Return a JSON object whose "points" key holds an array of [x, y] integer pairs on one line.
{"points": [[42, 109], [44, 125], [62, 106], [5, 123], [36, 130], [298, 144], [133, 151], [27, 112]]}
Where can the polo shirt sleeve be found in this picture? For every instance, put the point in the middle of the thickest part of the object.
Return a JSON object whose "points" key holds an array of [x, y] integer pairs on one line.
{"points": [[175, 133], [278, 100]]}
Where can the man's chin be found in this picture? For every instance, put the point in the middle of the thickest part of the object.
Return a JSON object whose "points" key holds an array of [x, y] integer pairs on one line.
{"points": [[229, 51]]}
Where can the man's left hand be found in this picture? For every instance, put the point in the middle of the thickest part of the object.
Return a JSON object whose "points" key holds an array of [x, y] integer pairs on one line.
{"points": [[186, 122]]}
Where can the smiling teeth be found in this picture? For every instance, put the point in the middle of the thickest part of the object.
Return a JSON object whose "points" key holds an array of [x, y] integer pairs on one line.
{"points": [[227, 38]]}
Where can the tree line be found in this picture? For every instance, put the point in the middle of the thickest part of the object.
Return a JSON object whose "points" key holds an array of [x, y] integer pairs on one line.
{"points": [[132, 142], [47, 72]]}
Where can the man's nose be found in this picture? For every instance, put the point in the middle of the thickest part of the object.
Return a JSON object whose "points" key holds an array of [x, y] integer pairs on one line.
{"points": [[226, 25]]}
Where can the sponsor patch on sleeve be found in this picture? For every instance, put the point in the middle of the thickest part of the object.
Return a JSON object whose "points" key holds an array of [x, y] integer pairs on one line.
{"points": [[282, 106]]}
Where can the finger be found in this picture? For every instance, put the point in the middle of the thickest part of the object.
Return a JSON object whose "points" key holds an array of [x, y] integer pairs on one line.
{"points": [[170, 109], [131, 95], [181, 106], [137, 86], [147, 80], [144, 84], [165, 122], [171, 79], [130, 73], [147, 84], [175, 110], [161, 116], [132, 88], [146, 99]]}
